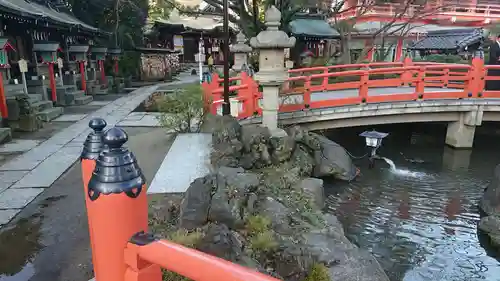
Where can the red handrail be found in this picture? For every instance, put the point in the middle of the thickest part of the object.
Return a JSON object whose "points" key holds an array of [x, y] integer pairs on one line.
{"points": [[187, 262]]}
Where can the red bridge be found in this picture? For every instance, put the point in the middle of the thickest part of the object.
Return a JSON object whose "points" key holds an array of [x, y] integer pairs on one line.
{"points": [[374, 93]]}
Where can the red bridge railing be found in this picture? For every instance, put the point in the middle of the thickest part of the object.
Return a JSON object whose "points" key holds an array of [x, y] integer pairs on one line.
{"points": [[353, 85]]}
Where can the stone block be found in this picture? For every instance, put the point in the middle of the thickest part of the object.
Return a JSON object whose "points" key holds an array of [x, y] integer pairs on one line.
{"points": [[5, 135], [7, 215], [83, 100], [14, 109], [27, 123], [18, 198]]}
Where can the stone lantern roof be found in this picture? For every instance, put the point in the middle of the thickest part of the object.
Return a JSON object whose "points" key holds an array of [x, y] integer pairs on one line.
{"points": [[272, 38], [240, 46]]}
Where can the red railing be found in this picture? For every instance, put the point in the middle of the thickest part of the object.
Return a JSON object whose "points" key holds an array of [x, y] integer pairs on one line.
{"points": [[323, 87]]}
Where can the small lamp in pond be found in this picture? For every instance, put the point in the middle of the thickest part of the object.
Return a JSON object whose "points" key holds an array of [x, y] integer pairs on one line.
{"points": [[374, 141]]}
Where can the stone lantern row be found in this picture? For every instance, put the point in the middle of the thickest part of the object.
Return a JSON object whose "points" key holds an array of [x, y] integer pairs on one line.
{"points": [[271, 44]]}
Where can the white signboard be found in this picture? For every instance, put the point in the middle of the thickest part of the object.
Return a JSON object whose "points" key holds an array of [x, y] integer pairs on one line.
{"points": [[23, 65], [60, 63], [179, 43]]}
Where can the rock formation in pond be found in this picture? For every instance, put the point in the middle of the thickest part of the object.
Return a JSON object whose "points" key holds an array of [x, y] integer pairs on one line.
{"points": [[490, 205], [261, 208]]}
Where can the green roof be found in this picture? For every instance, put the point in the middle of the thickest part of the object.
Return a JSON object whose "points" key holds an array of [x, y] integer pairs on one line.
{"points": [[313, 27]]}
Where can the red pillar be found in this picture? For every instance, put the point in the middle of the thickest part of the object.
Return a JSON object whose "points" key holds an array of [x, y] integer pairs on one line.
{"points": [[369, 55], [103, 74], [3, 101], [116, 67], [82, 73], [399, 50], [52, 78]]}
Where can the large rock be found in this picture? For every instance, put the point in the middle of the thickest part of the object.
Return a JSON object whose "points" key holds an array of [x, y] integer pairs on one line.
{"points": [[196, 202], [490, 202], [332, 160], [344, 260], [491, 226], [313, 188], [229, 200], [256, 142]]}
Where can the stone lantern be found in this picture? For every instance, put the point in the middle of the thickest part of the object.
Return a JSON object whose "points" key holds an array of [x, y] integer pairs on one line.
{"points": [[271, 44], [240, 50]]}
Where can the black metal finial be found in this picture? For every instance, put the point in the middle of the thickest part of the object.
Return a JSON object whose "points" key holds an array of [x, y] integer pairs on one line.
{"points": [[116, 168], [115, 138], [97, 124], [94, 143]]}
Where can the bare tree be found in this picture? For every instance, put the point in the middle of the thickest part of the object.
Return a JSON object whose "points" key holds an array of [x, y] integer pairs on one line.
{"points": [[402, 20]]}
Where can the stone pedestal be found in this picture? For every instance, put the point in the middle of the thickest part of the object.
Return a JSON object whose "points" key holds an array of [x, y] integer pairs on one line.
{"points": [[460, 134], [271, 44], [456, 159], [270, 105]]}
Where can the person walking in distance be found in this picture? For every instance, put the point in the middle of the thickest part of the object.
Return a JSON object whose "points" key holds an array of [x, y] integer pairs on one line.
{"points": [[210, 63]]}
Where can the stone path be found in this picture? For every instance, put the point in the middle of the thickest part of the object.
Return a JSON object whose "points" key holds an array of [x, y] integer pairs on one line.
{"points": [[23, 178], [187, 159]]}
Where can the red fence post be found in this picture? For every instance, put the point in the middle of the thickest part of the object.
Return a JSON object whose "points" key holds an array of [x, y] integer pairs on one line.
{"points": [[476, 80], [91, 148], [363, 87], [407, 75], [420, 84], [118, 206], [307, 92]]}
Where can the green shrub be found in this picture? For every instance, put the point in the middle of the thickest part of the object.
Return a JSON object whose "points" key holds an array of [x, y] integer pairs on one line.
{"points": [[257, 224], [182, 111], [318, 272], [263, 242]]}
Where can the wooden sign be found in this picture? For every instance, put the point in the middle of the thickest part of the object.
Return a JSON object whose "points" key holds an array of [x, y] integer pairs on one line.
{"points": [[23, 65]]}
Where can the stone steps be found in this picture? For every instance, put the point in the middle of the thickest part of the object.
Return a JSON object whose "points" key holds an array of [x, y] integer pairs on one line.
{"points": [[50, 114], [83, 100], [42, 105]]}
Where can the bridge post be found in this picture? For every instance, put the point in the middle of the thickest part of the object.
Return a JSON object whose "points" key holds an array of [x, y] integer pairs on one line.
{"points": [[460, 134], [271, 44]]}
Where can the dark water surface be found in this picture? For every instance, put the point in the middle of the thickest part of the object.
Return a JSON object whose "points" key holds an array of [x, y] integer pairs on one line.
{"points": [[420, 221]]}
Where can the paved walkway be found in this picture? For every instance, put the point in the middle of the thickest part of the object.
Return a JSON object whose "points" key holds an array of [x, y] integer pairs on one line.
{"points": [[23, 178], [187, 159]]}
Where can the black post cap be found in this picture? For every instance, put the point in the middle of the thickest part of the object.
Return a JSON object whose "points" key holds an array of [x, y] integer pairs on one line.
{"points": [[94, 143], [97, 124], [115, 138], [116, 168]]}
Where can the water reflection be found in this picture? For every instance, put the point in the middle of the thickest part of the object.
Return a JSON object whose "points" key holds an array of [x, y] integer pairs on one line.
{"points": [[421, 225]]}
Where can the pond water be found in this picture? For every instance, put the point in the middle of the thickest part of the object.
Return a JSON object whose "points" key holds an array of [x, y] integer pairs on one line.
{"points": [[419, 219]]}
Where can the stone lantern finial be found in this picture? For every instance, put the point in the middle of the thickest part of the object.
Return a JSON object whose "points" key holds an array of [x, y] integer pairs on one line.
{"points": [[272, 38], [273, 18]]}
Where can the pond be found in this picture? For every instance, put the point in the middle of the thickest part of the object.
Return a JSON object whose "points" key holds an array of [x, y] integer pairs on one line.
{"points": [[419, 220]]}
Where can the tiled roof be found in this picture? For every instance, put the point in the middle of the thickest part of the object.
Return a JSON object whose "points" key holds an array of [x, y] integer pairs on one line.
{"points": [[312, 27], [34, 10], [449, 39]]}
